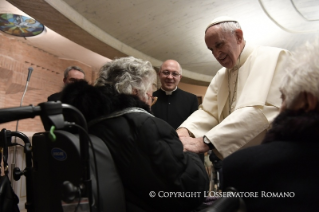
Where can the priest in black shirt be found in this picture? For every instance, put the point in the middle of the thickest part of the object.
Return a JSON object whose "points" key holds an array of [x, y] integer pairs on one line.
{"points": [[173, 104]]}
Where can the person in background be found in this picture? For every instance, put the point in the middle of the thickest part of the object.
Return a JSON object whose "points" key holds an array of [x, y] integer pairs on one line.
{"points": [[283, 169], [71, 74], [146, 150], [242, 98], [173, 104]]}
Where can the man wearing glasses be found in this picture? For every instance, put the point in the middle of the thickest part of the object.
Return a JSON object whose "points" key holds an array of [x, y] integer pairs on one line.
{"points": [[173, 105]]}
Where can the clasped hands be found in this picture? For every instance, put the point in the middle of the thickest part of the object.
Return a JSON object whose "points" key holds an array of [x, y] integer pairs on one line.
{"points": [[190, 144]]}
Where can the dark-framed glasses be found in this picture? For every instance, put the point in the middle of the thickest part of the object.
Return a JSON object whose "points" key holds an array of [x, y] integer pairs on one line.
{"points": [[167, 73]]}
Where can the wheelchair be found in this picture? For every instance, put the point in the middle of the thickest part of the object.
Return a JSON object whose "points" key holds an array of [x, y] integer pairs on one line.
{"points": [[66, 166]]}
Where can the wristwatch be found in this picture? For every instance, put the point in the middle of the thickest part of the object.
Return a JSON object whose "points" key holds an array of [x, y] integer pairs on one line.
{"points": [[208, 143]]}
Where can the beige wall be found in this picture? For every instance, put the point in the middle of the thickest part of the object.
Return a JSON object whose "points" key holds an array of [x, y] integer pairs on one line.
{"points": [[194, 89], [15, 59]]}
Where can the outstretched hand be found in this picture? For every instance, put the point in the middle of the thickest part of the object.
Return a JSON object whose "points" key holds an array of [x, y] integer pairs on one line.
{"points": [[182, 132], [196, 145]]}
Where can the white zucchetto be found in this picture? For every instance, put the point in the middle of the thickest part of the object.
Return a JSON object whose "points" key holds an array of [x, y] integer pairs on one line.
{"points": [[221, 19]]}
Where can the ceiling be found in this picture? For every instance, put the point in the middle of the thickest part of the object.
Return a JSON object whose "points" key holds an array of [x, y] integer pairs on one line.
{"points": [[157, 30]]}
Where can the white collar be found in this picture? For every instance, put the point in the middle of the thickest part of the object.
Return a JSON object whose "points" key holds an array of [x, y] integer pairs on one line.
{"points": [[169, 92]]}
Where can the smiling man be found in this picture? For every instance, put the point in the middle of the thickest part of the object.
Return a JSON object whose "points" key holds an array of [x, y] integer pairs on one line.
{"points": [[173, 104], [242, 99]]}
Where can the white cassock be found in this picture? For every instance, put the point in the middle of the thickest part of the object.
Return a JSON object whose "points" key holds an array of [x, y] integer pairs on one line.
{"points": [[255, 102]]}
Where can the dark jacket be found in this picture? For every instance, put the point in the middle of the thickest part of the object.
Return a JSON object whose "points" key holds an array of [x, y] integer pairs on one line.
{"points": [[146, 150], [175, 108], [55, 97], [285, 164]]}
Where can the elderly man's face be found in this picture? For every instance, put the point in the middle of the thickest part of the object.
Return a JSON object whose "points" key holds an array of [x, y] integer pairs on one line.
{"points": [[225, 46], [170, 75], [73, 75]]}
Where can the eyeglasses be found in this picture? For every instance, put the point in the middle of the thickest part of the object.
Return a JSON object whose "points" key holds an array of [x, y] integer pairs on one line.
{"points": [[167, 73], [154, 98]]}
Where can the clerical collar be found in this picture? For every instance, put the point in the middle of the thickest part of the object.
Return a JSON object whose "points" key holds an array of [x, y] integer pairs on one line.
{"points": [[169, 92]]}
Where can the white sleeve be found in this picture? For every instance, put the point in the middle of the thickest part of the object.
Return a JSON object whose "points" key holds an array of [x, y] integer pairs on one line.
{"points": [[206, 117], [241, 127], [199, 123]]}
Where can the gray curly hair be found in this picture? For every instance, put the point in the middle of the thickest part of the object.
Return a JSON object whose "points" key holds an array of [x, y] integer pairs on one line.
{"points": [[127, 75], [302, 73]]}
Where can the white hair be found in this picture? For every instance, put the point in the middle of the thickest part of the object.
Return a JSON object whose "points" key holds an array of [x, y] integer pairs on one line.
{"points": [[229, 26], [127, 74], [302, 73]]}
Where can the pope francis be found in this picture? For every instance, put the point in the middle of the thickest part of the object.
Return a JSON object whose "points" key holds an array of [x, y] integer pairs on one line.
{"points": [[242, 99]]}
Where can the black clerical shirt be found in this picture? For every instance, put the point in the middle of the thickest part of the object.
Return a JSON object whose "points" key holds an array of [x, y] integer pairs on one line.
{"points": [[174, 108]]}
